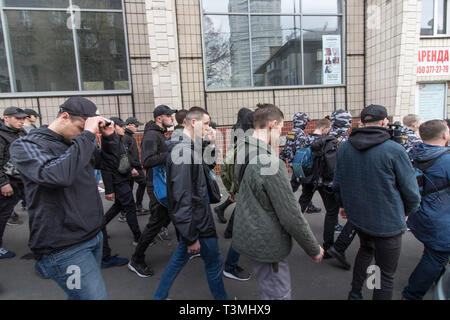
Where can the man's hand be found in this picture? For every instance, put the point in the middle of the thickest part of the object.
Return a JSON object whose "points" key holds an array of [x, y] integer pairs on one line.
{"points": [[319, 257], [92, 124], [211, 135], [134, 173], [7, 191], [195, 248], [343, 213], [106, 130], [110, 197]]}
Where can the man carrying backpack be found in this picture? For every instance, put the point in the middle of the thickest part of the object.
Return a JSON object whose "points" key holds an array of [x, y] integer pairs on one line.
{"points": [[296, 139], [431, 223]]}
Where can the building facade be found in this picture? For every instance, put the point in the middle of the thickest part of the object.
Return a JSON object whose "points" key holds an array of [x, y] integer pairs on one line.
{"points": [[129, 56]]}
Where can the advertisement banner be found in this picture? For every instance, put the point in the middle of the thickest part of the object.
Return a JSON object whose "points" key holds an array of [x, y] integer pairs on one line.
{"points": [[430, 101], [332, 61], [433, 62]]}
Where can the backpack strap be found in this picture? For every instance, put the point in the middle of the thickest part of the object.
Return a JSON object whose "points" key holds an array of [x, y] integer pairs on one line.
{"points": [[422, 166]]}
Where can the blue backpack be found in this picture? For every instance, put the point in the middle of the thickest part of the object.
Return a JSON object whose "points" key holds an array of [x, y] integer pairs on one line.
{"points": [[160, 184], [303, 163]]}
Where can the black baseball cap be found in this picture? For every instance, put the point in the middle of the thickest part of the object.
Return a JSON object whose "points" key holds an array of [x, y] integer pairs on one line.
{"points": [[80, 107], [15, 112], [31, 112], [162, 109], [133, 120], [118, 121], [373, 113]]}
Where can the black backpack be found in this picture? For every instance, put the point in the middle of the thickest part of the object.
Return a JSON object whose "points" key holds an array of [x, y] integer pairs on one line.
{"points": [[324, 157], [421, 176]]}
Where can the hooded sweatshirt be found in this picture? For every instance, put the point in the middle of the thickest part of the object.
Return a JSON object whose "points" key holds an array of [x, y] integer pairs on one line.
{"points": [[431, 223], [7, 136], [376, 182]]}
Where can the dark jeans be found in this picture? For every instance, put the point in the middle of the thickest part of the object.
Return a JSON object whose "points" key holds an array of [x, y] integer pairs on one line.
{"points": [[331, 216], [159, 217], [124, 202], [142, 184], [345, 238], [232, 259], [229, 228], [7, 205], [306, 196], [210, 252], [386, 252], [425, 274]]}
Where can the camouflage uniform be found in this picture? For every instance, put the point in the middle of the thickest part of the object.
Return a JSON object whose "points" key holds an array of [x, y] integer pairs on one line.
{"points": [[341, 122], [409, 139], [295, 138]]}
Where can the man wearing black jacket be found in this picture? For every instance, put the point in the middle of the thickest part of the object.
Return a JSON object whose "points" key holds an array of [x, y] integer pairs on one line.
{"points": [[117, 177], [154, 153], [10, 183], [66, 212], [189, 207]]}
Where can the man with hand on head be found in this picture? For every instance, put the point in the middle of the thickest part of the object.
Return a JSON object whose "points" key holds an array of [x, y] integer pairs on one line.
{"points": [[66, 212]]}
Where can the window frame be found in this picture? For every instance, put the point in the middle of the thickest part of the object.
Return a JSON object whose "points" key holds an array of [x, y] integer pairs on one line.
{"points": [[79, 92], [436, 35], [341, 15]]}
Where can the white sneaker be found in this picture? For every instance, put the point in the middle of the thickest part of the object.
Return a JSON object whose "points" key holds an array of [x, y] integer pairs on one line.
{"points": [[100, 189]]}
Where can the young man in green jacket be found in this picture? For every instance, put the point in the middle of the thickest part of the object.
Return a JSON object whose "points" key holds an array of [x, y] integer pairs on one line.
{"points": [[267, 213]]}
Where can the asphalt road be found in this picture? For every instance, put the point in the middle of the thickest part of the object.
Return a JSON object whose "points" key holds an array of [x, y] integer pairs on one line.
{"points": [[310, 281]]}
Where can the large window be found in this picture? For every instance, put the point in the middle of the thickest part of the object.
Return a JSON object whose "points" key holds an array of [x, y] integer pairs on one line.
{"points": [[272, 43], [62, 47], [435, 18]]}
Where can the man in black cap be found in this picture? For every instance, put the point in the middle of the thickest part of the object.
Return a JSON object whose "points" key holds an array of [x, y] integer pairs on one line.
{"points": [[30, 120], [154, 153], [377, 190], [117, 176], [132, 126], [10, 180], [66, 212]]}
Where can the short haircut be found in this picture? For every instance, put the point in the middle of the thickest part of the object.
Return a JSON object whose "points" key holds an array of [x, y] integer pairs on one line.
{"points": [[180, 116], [432, 129], [72, 117], [196, 113], [448, 123], [323, 123], [410, 119], [266, 113]]}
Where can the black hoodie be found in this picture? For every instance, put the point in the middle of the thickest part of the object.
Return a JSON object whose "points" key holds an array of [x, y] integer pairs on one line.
{"points": [[7, 136], [368, 137]]}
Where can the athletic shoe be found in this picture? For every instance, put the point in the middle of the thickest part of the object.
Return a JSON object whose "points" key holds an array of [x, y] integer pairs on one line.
{"points": [[140, 211], [340, 257], [220, 215], [23, 205], [313, 209], [141, 269], [198, 255], [122, 219], [5, 254], [114, 261], [100, 189], [237, 274], [338, 228]]}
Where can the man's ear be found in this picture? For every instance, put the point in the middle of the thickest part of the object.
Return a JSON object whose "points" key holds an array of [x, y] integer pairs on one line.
{"points": [[272, 124]]}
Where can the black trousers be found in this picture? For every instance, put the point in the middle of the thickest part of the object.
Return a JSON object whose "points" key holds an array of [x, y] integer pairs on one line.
{"points": [[345, 238], [306, 196], [331, 215], [142, 185], [7, 205], [124, 202], [386, 252], [159, 217]]}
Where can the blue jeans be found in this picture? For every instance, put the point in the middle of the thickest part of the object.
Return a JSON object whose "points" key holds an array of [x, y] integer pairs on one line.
{"points": [[232, 259], [77, 270], [98, 176], [210, 252], [425, 274]]}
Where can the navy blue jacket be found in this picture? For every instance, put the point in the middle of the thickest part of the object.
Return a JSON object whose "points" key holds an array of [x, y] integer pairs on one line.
{"points": [[63, 202], [376, 182], [431, 223]]}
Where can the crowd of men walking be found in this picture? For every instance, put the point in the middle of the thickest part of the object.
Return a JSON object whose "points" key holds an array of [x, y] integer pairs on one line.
{"points": [[52, 170]]}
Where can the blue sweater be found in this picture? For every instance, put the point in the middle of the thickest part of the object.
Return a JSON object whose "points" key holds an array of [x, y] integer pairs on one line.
{"points": [[431, 223], [376, 182]]}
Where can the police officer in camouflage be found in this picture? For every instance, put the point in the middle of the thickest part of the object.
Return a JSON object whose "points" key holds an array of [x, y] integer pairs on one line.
{"points": [[295, 139], [411, 124]]}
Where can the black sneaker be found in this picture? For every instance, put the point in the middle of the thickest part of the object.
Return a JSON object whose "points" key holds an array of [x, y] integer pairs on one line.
{"points": [[140, 211], [220, 215], [340, 257], [141, 269], [313, 209], [164, 234], [237, 274], [355, 295]]}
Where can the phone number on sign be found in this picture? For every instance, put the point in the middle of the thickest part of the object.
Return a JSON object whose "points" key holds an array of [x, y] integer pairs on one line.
{"points": [[433, 70]]}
